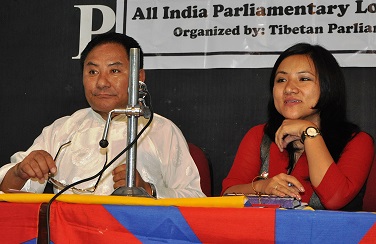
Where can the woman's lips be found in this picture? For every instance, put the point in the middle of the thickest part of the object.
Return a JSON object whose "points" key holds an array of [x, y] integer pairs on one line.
{"points": [[292, 101]]}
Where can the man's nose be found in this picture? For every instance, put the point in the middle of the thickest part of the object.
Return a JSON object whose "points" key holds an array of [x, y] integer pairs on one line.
{"points": [[103, 81]]}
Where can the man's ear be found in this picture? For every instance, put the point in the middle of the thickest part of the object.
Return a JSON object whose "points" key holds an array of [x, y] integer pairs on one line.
{"points": [[141, 75]]}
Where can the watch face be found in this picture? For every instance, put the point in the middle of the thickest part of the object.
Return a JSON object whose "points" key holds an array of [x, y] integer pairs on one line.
{"points": [[311, 131]]}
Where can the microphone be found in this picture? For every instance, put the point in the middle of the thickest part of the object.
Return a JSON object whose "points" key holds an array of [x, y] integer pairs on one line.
{"points": [[103, 143]]}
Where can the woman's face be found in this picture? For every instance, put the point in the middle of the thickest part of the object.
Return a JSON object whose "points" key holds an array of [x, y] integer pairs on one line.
{"points": [[297, 89]]}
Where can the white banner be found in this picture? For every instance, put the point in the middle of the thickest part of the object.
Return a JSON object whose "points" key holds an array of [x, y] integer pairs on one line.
{"points": [[197, 34]]}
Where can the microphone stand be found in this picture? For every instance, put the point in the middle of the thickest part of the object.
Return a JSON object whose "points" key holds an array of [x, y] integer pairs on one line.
{"points": [[133, 111]]}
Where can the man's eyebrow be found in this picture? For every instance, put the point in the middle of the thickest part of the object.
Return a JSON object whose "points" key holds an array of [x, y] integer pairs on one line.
{"points": [[116, 63], [91, 63], [281, 72]]}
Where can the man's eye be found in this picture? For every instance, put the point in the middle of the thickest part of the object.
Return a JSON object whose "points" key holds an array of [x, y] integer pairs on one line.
{"points": [[115, 71], [92, 72]]}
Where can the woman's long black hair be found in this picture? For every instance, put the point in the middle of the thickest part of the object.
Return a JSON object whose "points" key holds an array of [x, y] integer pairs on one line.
{"points": [[335, 128]]}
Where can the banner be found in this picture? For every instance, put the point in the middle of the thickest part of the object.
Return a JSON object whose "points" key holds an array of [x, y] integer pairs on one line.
{"points": [[198, 34]]}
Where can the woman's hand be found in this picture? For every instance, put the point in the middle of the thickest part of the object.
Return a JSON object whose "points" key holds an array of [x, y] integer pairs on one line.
{"points": [[280, 185], [290, 130]]}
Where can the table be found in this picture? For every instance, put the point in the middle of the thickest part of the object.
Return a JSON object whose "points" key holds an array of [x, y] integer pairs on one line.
{"points": [[216, 223]]}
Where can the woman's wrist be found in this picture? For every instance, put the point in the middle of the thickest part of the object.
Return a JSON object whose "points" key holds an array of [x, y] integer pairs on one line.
{"points": [[262, 176]]}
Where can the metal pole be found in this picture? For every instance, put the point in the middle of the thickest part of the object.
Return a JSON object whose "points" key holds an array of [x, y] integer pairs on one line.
{"points": [[132, 120], [133, 108]]}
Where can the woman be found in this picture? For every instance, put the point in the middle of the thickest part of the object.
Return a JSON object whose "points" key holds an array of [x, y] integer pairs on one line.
{"points": [[309, 149]]}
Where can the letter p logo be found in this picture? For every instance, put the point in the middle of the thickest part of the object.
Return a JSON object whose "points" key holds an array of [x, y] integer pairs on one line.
{"points": [[87, 20]]}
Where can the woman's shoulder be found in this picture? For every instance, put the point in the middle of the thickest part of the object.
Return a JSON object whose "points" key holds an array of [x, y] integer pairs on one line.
{"points": [[363, 138], [255, 133], [257, 129], [361, 143]]}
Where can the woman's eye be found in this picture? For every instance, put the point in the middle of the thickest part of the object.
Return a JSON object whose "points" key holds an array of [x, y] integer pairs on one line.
{"points": [[305, 79], [279, 80]]}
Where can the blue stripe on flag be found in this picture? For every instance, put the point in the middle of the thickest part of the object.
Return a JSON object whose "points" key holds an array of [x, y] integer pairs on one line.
{"points": [[154, 223], [302, 226]]}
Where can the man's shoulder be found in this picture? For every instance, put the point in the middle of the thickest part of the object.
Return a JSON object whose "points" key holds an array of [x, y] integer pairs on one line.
{"points": [[82, 113], [161, 125], [159, 120], [77, 117], [159, 117]]}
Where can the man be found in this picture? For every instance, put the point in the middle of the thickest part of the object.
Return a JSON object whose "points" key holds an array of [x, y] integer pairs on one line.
{"points": [[164, 165]]}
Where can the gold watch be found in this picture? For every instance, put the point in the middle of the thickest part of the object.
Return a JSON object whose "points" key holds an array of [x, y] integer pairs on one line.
{"points": [[310, 132]]}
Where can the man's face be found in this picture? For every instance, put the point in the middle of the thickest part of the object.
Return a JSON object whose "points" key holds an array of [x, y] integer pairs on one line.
{"points": [[105, 78]]}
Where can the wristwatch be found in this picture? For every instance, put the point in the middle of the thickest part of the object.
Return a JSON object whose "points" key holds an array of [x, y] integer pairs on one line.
{"points": [[310, 132]]}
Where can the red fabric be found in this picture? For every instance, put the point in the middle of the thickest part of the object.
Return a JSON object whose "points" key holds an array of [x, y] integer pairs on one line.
{"points": [[340, 184], [369, 201], [203, 167], [343, 180], [231, 225], [19, 222], [370, 237], [86, 223]]}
